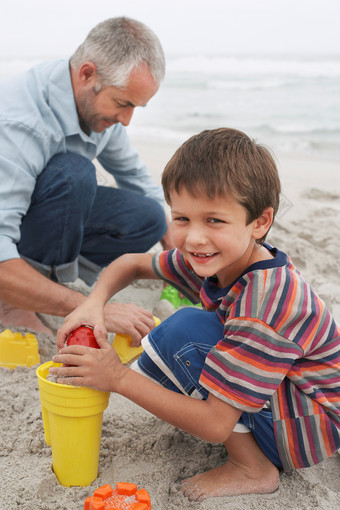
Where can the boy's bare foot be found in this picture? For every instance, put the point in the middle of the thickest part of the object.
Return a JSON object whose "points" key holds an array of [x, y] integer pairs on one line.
{"points": [[231, 479], [11, 316]]}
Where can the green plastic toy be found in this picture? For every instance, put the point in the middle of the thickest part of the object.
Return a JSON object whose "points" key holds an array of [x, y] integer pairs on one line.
{"points": [[172, 295]]}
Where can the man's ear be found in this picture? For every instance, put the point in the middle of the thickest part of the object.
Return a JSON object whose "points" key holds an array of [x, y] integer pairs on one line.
{"points": [[88, 73], [263, 223]]}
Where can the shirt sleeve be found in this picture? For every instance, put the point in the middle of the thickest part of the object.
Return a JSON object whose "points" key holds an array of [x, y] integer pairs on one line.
{"points": [[21, 161], [122, 161], [173, 268], [247, 366]]}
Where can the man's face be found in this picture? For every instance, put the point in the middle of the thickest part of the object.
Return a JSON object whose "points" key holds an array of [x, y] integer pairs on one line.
{"points": [[98, 111]]}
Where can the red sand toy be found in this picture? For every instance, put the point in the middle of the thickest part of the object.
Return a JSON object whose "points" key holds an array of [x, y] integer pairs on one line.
{"points": [[83, 336], [125, 496]]}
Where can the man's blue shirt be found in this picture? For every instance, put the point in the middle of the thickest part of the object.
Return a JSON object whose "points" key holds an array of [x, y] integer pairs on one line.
{"points": [[38, 119]]}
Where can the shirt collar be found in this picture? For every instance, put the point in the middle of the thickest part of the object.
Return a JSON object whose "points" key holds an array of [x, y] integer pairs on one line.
{"points": [[215, 293]]}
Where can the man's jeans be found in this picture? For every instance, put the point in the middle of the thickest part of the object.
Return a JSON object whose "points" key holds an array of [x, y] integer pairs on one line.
{"points": [[74, 227]]}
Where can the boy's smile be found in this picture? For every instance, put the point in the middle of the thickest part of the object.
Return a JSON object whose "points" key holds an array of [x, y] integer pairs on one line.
{"points": [[213, 235]]}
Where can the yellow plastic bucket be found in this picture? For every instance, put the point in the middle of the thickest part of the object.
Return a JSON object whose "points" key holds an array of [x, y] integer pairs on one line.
{"points": [[72, 418]]}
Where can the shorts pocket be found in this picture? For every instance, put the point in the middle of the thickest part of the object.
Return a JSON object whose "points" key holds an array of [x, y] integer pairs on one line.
{"points": [[188, 365]]}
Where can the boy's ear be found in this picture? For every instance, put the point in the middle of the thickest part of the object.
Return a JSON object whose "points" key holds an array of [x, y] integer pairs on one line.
{"points": [[263, 223]]}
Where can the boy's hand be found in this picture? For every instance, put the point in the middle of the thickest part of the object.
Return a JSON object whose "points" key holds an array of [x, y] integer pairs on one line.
{"points": [[128, 319], [86, 314], [100, 369]]}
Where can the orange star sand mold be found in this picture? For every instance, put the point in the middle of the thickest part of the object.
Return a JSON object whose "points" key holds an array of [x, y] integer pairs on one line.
{"points": [[126, 496]]}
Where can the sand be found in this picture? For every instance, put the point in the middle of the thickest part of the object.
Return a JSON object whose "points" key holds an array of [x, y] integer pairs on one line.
{"points": [[137, 447]]}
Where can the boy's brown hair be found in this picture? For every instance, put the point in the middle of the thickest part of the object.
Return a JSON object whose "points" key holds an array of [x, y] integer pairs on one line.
{"points": [[219, 161]]}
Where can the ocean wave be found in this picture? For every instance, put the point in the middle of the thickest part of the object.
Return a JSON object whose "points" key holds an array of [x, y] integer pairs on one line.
{"points": [[263, 130], [318, 142], [254, 84], [255, 66], [296, 128], [230, 83]]}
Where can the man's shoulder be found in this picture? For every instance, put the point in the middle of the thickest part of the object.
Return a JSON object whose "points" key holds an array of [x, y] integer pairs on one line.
{"points": [[26, 99], [34, 82]]}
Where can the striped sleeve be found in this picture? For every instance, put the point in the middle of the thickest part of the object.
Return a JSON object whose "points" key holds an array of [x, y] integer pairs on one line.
{"points": [[172, 267], [247, 366]]}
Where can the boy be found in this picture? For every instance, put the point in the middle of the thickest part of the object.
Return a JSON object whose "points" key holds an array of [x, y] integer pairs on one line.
{"points": [[261, 358]]}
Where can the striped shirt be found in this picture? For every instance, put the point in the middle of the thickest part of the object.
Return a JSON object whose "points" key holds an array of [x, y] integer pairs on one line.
{"points": [[280, 344]]}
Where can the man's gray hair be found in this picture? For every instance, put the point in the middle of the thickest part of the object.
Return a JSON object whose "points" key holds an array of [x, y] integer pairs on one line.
{"points": [[116, 47]]}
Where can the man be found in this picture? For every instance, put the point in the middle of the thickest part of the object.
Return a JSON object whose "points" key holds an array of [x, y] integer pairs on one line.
{"points": [[56, 223]]}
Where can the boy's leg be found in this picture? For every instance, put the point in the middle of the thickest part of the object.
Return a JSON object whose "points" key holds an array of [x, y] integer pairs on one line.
{"points": [[174, 355], [246, 471], [175, 351]]}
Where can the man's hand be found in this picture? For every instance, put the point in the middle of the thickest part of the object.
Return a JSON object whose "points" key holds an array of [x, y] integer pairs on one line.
{"points": [[128, 319]]}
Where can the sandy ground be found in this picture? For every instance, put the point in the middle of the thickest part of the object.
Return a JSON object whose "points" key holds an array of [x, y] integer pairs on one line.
{"points": [[137, 447]]}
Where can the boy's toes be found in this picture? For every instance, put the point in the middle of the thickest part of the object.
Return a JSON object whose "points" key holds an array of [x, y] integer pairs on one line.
{"points": [[191, 490]]}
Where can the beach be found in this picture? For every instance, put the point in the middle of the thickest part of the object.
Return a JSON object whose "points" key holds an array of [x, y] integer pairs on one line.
{"points": [[139, 448]]}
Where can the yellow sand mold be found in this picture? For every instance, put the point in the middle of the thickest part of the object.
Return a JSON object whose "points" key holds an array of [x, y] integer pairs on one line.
{"points": [[18, 350], [122, 346]]}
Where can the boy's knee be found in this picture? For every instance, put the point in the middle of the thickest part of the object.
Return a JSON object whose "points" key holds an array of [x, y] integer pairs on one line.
{"points": [[192, 325]]}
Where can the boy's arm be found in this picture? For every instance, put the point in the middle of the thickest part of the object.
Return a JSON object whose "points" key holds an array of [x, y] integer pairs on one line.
{"points": [[212, 420], [129, 319], [121, 272]]}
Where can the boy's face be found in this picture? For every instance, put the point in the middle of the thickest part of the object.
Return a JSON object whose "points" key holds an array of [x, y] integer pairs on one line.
{"points": [[213, 235]]}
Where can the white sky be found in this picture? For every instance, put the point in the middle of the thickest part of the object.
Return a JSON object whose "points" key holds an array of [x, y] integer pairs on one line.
{"points": [[53, 28]]}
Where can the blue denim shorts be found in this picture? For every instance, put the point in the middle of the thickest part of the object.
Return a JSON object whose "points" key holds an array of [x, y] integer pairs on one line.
{"points": [[174, 355]]}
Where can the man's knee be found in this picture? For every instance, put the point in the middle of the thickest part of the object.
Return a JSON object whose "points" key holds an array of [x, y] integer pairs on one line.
{"points": [[152, 225], [63, 197], [72, 173], [154, 217]]}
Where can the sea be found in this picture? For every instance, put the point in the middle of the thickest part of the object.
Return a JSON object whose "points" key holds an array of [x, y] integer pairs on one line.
{"points": [[290, 103]]}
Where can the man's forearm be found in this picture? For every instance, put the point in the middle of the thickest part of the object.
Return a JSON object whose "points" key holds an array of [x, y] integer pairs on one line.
{"points": [[24, 287]]}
